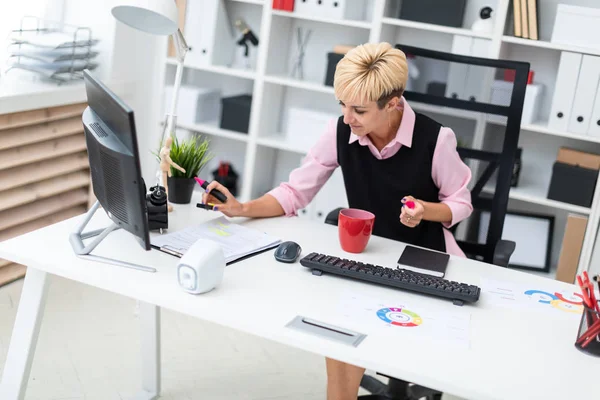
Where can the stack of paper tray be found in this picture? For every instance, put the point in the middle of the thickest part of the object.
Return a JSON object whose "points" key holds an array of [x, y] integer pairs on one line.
{"points": [[58, 53]]}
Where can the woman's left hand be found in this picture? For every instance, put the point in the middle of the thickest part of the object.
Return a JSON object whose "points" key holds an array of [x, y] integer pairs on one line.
{"points": [[411, 217]]}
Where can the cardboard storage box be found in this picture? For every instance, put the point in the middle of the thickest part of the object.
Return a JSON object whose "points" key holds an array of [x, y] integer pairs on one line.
{"points": [[571, 248], [579, 158]]}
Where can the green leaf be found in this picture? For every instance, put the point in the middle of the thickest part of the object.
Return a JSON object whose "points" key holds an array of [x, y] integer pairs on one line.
{"points": [[192, 155]]}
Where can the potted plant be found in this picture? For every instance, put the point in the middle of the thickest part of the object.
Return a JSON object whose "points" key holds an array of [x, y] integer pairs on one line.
{"points": [[191, 155]]}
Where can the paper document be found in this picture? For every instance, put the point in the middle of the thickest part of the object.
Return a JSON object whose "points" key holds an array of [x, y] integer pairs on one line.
{"points": [[54, 40], [237, 241], [531, 297], [51, 55], [399, 319]]}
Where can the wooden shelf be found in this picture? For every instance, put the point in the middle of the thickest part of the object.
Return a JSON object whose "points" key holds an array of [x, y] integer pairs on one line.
{"points": [[434, 28], [43, 189], [451, 112], [38, 223], [549, 45], [20, 176], [11, 272], [214, 130], [35, 117], [44, 173], [29, 212], [218, 69], [296, 83], [537, 195], [15, 137], [334, 21], [542, 127], [279, 142], [34, 153]]}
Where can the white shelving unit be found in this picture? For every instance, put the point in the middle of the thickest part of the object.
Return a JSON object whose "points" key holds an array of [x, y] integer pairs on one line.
{"points": [[264, 157]]}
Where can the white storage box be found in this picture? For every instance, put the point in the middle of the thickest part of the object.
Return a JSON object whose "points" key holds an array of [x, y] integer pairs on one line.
{"points": [[500, 95], [195, 104], [577, 26], [336, 9], [304, 126]]}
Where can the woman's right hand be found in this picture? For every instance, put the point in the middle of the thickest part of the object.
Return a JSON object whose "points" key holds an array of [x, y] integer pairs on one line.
{"points": [[232, 208]]}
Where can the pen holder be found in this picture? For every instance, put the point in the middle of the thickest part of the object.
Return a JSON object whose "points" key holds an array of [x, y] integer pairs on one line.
{"points": [[586, 342]]}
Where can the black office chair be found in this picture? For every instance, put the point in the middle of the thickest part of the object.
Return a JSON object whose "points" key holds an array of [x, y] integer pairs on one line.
{"points": [[494, 250]]}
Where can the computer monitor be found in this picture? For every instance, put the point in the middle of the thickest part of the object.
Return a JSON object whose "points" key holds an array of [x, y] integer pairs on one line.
{"points": [[117, 182]]}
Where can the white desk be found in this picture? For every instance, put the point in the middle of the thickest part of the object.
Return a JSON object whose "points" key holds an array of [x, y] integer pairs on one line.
{"points": [[512, 355]]}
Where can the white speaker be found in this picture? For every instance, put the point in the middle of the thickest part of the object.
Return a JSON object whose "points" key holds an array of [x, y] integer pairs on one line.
{"points": [[201, 267]]}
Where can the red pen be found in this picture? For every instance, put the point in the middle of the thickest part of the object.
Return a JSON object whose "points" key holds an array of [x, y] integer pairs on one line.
{"points": [[586, 297], [590, 285], [590, 335]]}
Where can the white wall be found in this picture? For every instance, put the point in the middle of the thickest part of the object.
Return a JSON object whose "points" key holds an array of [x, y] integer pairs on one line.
{"points": [[95, 15], [11, 17], [138, 61], [131, 61]]}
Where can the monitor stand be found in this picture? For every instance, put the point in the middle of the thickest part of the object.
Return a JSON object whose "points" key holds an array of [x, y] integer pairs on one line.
{"points": [[76, 238]]}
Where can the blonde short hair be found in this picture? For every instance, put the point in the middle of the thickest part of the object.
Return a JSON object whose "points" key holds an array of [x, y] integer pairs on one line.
{"points": [[371, 72]]}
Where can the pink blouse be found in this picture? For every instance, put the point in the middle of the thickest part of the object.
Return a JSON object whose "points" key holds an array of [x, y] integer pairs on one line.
{"points": [[450, 174]]}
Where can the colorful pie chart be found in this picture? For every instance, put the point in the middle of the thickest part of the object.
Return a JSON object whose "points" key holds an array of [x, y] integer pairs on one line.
{"points": [[399, 316]]}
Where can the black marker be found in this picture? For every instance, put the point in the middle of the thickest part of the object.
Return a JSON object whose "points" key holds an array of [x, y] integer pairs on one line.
{"points": [[208, 206], [215, 192]]}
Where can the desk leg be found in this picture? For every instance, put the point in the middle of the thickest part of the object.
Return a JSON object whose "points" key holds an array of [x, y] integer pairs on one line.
{"points": [[24, 335], [150, 331]]}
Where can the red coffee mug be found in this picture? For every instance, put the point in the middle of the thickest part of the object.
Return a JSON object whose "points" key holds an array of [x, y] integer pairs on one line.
{"points": [[355, 227]]}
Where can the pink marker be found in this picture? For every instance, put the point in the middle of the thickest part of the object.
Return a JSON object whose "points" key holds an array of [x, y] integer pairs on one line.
{"points": [[215, 192]]}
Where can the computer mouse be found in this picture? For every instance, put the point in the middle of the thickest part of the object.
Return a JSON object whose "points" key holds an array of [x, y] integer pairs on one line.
{"points": [[288, 252]]}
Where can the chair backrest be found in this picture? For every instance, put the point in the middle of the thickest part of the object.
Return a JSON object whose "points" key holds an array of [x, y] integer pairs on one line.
{"points": [[456, 82]]}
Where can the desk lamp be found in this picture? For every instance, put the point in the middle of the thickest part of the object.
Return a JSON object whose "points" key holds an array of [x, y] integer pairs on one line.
{"points": [[158, 17]]}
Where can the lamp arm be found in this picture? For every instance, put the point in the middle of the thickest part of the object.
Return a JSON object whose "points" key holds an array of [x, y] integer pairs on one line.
{"points": [[182, 49], [180, 45]]}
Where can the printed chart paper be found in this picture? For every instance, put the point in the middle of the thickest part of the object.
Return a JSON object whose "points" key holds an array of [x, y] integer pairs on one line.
{"points": [[236, 240], [394, 317], [532, 297]]}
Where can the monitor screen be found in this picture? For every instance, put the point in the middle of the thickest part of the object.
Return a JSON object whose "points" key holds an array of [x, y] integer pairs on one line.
{"points": [[114, 160]]}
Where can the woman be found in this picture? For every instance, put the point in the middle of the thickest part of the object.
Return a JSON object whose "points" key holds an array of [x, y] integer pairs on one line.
{"points": [[388, 155]]}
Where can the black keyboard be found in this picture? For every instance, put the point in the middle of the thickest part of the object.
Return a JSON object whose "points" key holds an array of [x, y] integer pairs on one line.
{"points": [[459, 293]]}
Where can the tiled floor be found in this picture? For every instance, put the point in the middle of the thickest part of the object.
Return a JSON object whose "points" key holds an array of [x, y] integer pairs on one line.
{"points": [[89, 350]]}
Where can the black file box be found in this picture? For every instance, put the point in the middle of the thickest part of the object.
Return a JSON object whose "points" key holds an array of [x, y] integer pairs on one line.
{"points": [[572, 184], [332, 60], [439, 12], [235, 113], [587, 342]]}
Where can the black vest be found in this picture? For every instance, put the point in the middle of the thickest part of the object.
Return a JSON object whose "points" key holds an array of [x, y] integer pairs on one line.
{"points": [[378, 186]]}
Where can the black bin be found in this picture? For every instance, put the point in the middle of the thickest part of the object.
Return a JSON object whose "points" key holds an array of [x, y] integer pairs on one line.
{"points": [[572, 184], [438, 12], [332, 60], [235, 114]]}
